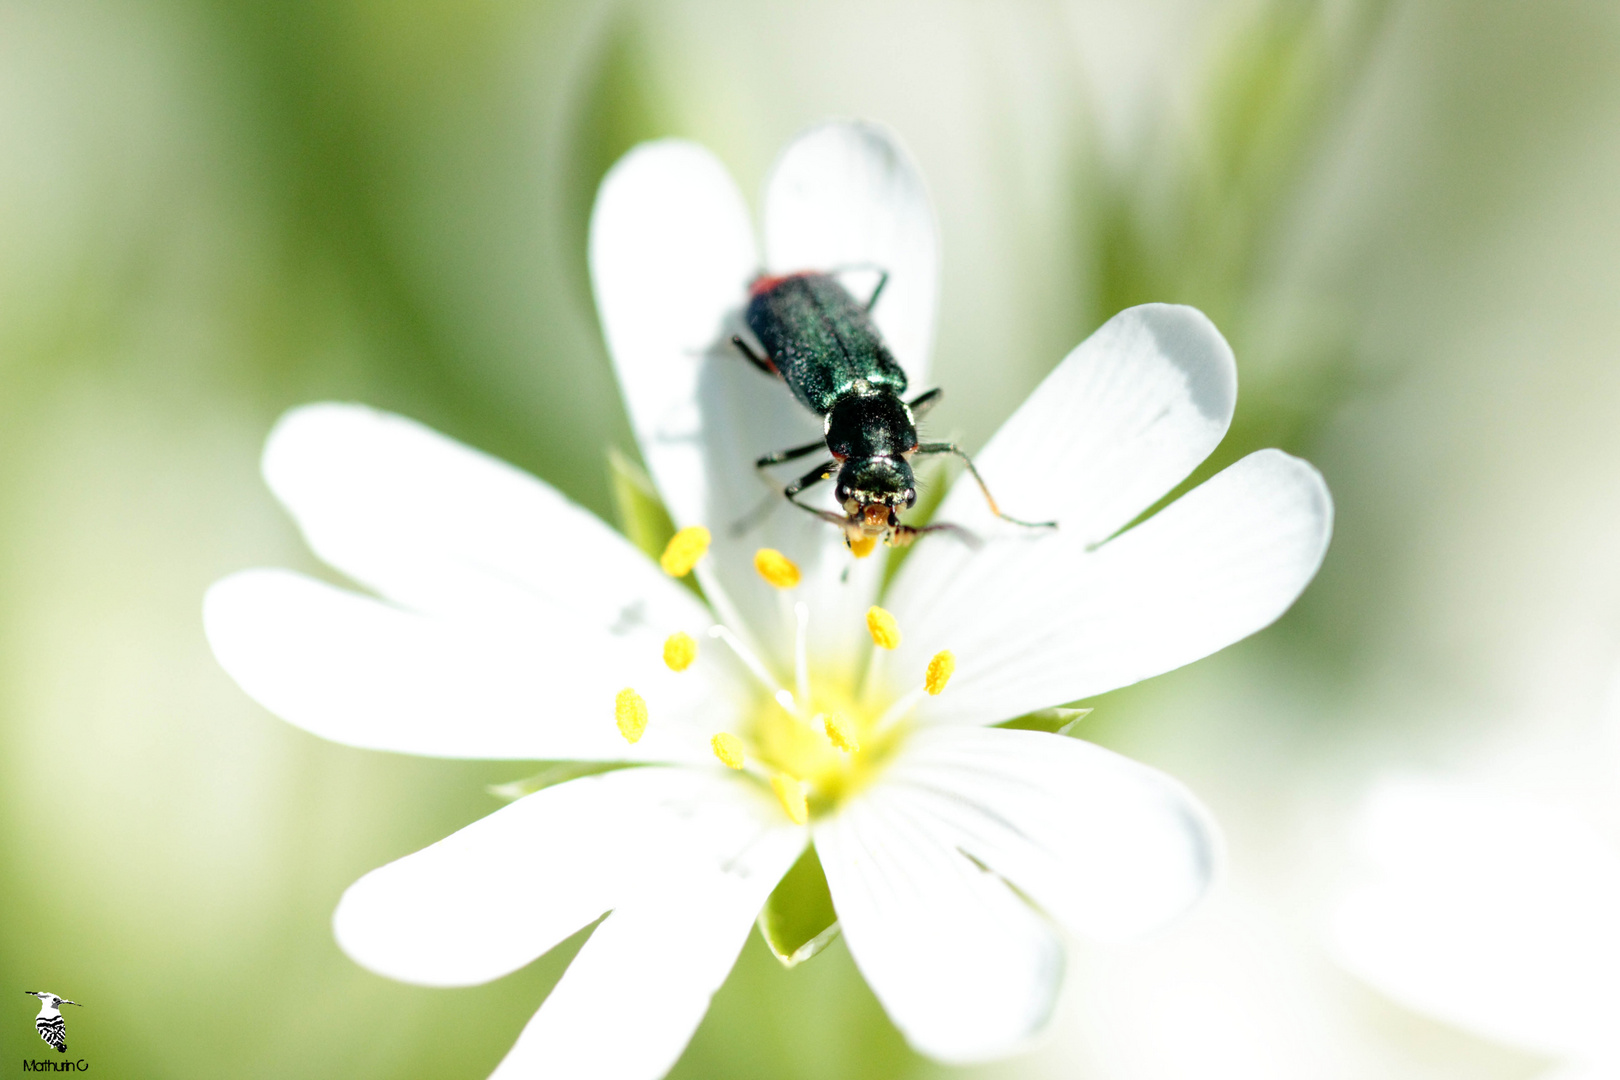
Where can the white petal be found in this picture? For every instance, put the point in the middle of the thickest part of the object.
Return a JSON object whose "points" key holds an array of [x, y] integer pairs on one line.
{"points": [[1048, 620], [671, 257], [364, 673], [671, 254], [964, 967], [440, 527], [631, 999], [488, 899], [1498, 916], [848, 195], [1108, 847], [1123, 419]]}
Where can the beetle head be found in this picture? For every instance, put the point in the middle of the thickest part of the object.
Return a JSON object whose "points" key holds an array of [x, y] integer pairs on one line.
{"points": [[872, 492]]}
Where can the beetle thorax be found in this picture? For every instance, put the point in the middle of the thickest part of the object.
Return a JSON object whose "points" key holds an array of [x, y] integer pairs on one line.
{"points": [[873, 424]]}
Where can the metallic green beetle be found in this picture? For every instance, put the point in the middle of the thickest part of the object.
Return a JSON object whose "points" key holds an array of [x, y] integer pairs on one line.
{"points": [[823, 343]]}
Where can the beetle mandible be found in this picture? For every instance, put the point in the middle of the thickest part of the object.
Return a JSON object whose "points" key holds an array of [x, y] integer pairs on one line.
{"points": [[823, 343]]}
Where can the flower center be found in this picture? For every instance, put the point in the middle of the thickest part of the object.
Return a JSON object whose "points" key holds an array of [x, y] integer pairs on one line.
{"points": [[824, 739], [821, 742], [833, 742]]}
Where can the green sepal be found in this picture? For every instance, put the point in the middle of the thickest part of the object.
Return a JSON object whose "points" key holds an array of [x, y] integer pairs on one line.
{"points": [[1059, 720], [798, 920], [553, 773], [642, 517]]}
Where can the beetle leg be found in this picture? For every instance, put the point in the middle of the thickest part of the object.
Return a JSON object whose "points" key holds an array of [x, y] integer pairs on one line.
{"points": [[952, 448], [925, 401], [761, 362], [883, 279], [792, 454], [815, 476], [871, 301], [758, 514]]}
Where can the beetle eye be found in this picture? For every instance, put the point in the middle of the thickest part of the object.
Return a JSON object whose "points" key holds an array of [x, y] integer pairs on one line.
{"points": [[911, 498]]}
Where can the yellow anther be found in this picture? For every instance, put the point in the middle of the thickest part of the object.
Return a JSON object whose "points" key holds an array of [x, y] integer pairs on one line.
{"points": [[683, 551], [630, 713], [862, 546], [776, 568], [840, 732], [940, 670], [729, 749], [790, 791], [679, 651], [885, 631]]}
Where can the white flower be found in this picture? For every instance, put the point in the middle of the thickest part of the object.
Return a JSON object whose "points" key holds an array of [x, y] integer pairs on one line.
{"points": [[509, 622], [1499, 914]]}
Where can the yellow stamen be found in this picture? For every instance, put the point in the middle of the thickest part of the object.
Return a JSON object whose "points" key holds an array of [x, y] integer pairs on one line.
{"points": [[862, 546], [679, 651], [683, 551], [776, 568], [729, 749], [839, 731], [940, 670], [790, 791], [885, 631], [630, 713]]}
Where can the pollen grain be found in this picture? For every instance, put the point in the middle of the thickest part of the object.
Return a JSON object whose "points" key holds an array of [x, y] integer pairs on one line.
{"points": [[679, 651], [683, 551], [884, 630], [862, 546], [630, 713], [776, 568], [729, 749], [841, 732]]}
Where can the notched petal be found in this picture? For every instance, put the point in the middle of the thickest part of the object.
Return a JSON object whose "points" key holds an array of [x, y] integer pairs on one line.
{"points": [[798, 919], [1058, 720], [551, 774]]}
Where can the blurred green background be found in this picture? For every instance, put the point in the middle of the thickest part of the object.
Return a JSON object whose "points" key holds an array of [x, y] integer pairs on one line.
{"points": [[1404, 215]]}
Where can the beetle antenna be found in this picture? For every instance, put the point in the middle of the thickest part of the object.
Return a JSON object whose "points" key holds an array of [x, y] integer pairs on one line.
{"points": [[906, 535], [957, 451]]}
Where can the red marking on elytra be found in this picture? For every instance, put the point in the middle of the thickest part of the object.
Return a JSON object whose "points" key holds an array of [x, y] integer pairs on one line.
{"points": [[767, 282]]}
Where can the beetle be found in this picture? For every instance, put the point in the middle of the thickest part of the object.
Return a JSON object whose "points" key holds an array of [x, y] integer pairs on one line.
{"points": [[822, 342]]}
